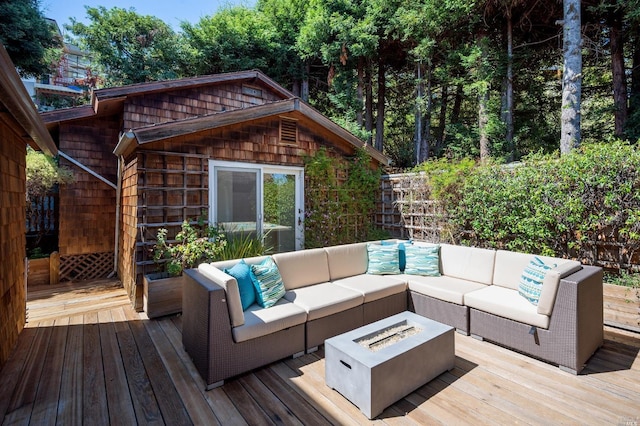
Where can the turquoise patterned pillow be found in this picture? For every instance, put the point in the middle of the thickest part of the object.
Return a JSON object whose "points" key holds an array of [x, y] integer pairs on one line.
{"points": [[383, 259], [423, 260], [267, 282], [401, 254], [530, 285], [242, 273]]}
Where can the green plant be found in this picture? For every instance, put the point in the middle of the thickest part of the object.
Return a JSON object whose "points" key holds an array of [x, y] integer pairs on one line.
{"points": [[43, 173], [241, 245], [340, 198], [192, 246]]}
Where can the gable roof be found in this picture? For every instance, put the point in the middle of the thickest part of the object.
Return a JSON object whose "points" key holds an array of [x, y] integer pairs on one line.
{"points": [[157, 132], [111, 100], [15, 100]]}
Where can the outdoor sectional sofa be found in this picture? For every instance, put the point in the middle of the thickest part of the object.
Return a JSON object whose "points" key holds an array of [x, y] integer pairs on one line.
{"points": [[328, 292]]}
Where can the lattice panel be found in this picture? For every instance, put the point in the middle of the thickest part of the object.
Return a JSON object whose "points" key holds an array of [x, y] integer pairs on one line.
{"points": [[81, 267]]}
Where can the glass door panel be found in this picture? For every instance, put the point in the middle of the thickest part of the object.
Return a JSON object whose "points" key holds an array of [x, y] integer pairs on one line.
{"points": [[279, 204], [237, 200]]}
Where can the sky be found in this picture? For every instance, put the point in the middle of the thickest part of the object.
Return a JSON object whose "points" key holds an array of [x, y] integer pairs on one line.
{"points": [[171, 12]]}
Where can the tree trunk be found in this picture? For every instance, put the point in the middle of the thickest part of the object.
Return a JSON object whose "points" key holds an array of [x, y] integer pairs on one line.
{"points": [[571, 77], [423, 116], [457, 104], [360, 93], [619, 77], [483, 120], [368, 101], [305, 82], [426, 128], [382, 88], [442, 120], [634, 98], [508, 107]]}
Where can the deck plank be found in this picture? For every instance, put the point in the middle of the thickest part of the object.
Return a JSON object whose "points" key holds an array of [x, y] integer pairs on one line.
{"points": [[194, 402], [142, 395], [94, 395], [117, 389], [12, 372], [71, 384], [21, 403], [169, 401], [45, 407]]}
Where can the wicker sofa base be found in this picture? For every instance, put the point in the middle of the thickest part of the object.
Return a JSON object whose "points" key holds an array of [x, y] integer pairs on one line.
{"points": [[385, 307], [207, 336], [575, 331], [322, 328], [456, 316]]}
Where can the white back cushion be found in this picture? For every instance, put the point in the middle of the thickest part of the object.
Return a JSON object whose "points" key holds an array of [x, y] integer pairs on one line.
{"points": [[347, 260], [302, 268], [467, 263], [510, 265]]}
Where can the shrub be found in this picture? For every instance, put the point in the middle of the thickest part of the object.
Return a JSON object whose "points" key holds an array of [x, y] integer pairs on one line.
{"points": [[193, 245], [551, 205]]}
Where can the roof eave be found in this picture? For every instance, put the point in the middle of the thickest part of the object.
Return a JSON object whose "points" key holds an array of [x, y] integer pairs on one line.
{"points": [[15, 98]]}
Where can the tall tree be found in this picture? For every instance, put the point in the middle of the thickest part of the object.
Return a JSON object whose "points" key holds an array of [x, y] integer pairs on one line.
{"points": [[29, 38], [131, 48], [571, 77]]}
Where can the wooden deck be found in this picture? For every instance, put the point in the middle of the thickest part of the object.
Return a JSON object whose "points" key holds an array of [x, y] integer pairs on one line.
{"points": [[87, 357]]}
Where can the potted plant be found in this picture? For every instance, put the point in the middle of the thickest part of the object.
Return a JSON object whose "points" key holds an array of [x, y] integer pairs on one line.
{"points": [[192, 246]]}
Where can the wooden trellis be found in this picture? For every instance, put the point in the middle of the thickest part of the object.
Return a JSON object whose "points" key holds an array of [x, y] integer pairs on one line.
{"points": [[82, 267], [406, 210]]}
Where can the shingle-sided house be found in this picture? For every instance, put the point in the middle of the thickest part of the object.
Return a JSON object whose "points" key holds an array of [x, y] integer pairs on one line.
{"points": [[155, 154], [20, 126]]}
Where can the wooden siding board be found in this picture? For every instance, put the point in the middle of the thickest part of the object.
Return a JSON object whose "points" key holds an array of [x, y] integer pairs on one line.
{"points": [[12, 239]]}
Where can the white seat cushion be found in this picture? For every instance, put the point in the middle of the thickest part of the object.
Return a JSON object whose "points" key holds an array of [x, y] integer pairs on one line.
{"points": [[259, 321], [321, 300], [444, 288], [506, 303], [374, 287]]}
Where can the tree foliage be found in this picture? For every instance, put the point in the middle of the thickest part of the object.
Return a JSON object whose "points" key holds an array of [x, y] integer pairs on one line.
{"points": [[417, 79], [31, 41], [131, 48]]}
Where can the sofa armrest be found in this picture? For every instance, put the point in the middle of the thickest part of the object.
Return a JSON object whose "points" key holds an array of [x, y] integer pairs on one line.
{"points": [[578, 310], [205, 319]]}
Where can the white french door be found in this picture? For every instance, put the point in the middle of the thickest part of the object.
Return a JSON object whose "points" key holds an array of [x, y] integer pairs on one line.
{"points": [[261, 200]]}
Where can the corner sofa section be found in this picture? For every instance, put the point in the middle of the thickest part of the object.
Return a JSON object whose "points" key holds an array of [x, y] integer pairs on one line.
{"points": [[328, 292]]}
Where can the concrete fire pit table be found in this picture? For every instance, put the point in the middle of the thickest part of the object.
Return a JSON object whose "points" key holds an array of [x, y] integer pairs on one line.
{"points": [[376, 365]]}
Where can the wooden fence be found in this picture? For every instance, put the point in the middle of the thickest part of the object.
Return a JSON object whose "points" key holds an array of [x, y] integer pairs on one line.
{"points": [[406, 210]]}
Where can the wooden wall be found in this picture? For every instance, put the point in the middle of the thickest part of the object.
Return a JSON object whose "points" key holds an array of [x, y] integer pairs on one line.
{"points": [[128, 236], [173, 182], [87, 206], [12, 238], [177, 105]]}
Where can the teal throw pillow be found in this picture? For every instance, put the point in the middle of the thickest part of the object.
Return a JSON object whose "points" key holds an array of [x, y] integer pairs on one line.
{"points": [[267, 282], [530, 285], [242, 273], [423, 260], [383, 259], [402, 258]]}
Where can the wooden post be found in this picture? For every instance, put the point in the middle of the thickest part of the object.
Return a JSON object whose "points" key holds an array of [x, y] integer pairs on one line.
{"points": [[54, 268]]}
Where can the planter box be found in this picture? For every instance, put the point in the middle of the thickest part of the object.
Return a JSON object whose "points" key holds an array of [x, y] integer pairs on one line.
{"points": [[622, 307], [43, 271], [162, 294]]}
